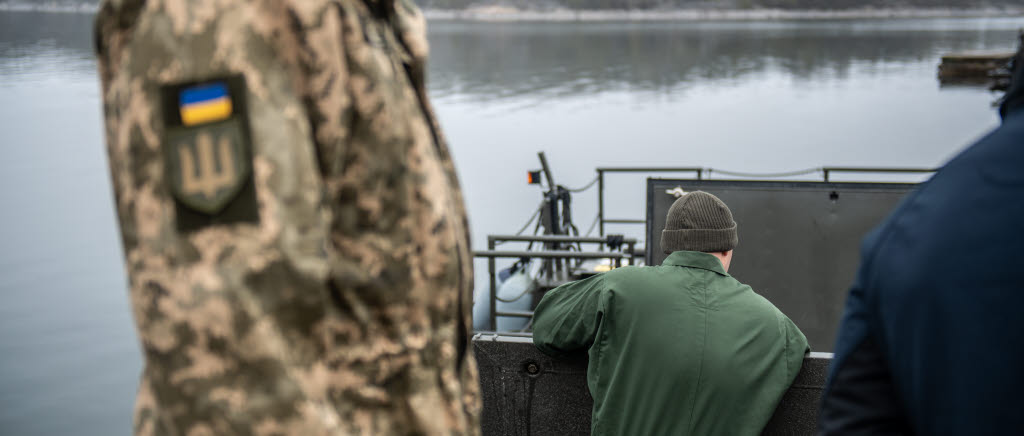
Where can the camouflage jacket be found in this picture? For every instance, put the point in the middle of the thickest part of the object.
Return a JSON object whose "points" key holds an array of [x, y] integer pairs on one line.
{"points": [[294, 234]]}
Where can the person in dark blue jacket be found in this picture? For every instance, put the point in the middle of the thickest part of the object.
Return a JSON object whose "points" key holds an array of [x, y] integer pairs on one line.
{"points": [[932, 339]]}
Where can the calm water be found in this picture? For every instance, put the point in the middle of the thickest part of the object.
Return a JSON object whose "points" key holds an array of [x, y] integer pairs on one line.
{"points": [[758, 97]]}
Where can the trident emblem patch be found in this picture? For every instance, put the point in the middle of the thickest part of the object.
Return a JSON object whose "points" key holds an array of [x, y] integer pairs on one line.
{"points": [[206, 152], [208, 179]]}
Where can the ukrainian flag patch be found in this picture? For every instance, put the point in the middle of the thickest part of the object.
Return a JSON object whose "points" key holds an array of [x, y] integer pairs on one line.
{"points": [[204, 103]]}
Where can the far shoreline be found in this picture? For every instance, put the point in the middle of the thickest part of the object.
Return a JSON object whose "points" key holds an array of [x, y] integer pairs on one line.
{"points": [[510, 14]]}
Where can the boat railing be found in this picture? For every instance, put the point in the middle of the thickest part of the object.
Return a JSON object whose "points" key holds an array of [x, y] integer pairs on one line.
{"points": [[601, 219], [702, 173], [491, 254], [827, 170], [557, 259]]}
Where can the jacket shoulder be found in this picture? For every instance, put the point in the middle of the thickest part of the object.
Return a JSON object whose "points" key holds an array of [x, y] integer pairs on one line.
{"points": [[629, 276]]}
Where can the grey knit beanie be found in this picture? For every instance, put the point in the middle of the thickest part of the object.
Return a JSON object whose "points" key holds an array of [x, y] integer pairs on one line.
{"points": [[699, 221]]}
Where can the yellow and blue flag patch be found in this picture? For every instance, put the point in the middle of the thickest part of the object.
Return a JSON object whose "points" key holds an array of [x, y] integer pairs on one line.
{"points": [[204, 103]]}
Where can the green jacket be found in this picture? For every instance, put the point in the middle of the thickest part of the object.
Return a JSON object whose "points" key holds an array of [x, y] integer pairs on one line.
{"points": [[681, 348]]}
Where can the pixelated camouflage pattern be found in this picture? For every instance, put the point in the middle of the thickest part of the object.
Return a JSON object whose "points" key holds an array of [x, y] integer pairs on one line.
{"points": [[345, 309]]}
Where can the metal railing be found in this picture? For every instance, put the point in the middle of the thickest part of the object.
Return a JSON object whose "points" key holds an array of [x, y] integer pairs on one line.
{"points": [[491, 254], [827, 170], [601, 220], [700, 172]]}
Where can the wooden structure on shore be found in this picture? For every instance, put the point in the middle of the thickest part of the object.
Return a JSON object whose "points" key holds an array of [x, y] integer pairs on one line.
{"points": [[983, 68], [979, 68]]}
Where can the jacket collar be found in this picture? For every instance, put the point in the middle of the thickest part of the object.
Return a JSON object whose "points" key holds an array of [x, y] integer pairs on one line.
{"points": [[694, 259]]}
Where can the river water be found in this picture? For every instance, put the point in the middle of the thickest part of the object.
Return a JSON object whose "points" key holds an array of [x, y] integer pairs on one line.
{"points": [[741, 96]]}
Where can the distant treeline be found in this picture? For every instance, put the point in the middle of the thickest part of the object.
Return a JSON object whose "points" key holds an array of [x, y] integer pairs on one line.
{"points": [[722, 4]]}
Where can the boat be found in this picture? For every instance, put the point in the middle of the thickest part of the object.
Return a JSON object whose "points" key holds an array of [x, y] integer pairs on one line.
{"points": [[800, 235]]}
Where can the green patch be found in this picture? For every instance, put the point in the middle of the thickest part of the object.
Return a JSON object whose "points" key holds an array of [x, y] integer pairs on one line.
{"points": [[207, 152], [208, 165]]}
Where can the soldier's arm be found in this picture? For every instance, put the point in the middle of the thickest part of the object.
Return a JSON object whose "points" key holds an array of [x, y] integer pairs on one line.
{"points": [[568, 316], [221, 256], [796, 346]]}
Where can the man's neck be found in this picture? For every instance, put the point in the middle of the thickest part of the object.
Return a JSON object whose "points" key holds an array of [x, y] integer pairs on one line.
{"points": [[725, 257]]}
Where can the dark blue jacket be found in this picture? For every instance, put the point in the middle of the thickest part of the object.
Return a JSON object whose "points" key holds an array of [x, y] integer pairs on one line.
{"points": [[932, 340]]}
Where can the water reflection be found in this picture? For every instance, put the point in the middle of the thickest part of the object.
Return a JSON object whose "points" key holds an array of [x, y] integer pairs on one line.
{"points": [[35, 46], [496, 61], [68, 359]]}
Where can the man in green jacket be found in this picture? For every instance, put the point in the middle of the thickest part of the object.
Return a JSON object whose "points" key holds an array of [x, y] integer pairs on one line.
{"points": [[681, 348]]}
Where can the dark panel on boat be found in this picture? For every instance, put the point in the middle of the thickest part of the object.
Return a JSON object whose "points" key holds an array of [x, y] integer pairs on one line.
{"points": [[526, 393], [799, 241]]}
